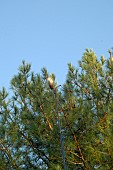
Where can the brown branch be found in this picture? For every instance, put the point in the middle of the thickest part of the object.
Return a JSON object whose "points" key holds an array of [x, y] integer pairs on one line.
{"points": [[47, 120], [76, 163], [34, 146], [7, 152], [77, 144], [75, 154]]}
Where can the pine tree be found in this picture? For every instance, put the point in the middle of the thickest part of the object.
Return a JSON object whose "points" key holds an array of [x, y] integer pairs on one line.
{"points": [[45, 126]]}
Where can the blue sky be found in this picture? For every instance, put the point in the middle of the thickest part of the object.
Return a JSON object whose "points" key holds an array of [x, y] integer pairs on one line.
{"points": [[52, 33]]}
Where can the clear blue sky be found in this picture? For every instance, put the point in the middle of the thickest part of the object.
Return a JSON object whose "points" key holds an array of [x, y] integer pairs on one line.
{"points": [[52, 33]]}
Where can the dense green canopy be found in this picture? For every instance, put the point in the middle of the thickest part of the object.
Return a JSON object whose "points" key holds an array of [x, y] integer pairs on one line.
{"points": [[67, 127]]}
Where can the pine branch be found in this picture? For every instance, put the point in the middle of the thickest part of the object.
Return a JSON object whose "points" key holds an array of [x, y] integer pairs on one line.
{"points": [[47, 120], [35, 147], [76, 142]]}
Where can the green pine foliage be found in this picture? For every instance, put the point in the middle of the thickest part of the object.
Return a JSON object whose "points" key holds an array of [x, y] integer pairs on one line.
{"points": [[69, 127]]}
